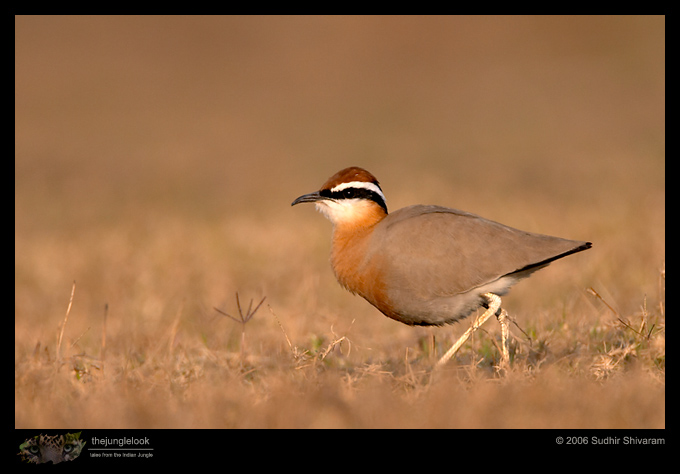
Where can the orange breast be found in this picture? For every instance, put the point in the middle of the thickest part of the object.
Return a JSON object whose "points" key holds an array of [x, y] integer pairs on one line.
{"points": [[357, 265]]}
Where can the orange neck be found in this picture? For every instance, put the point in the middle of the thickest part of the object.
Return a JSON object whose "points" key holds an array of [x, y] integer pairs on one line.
{"points": [[350, 254]]}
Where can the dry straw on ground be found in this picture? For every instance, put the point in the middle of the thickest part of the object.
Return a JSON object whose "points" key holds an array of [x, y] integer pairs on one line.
{"points": [[565, 373]]}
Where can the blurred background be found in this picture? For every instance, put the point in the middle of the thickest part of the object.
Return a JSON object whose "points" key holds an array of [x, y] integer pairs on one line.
{"points": [[156, 157]]}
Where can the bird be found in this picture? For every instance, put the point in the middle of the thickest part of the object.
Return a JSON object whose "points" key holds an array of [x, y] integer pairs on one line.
{"points": [[427, 265]]}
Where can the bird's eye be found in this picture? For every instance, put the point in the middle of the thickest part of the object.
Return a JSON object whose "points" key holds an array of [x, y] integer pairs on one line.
{"points": [[349, 193]]}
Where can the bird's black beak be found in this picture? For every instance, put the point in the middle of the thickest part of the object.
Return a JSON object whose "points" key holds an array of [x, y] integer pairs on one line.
{"points": [[311, 197]]}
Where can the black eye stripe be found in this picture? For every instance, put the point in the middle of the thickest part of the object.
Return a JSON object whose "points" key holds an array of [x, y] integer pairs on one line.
{"points": [[355, 193]]}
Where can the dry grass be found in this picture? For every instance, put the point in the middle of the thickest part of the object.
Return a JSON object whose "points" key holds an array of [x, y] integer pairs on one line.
{"points": [[156, 159]]}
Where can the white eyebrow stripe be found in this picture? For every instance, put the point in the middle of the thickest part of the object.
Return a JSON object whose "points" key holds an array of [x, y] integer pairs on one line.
{"points": [[360, 184]]}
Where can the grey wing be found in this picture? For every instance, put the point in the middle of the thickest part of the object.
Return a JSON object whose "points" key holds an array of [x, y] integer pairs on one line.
{"points": [[449, 252]]}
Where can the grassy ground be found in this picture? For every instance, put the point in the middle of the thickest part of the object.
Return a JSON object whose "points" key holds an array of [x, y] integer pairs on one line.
{"points": [[155, 163]]}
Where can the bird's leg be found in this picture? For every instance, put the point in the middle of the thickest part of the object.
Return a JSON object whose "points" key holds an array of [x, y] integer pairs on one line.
{"points": [[494, 302], [505, 333]]}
